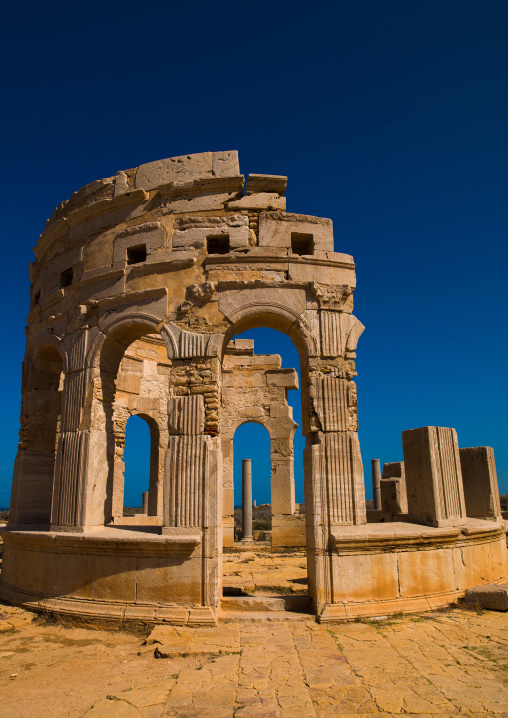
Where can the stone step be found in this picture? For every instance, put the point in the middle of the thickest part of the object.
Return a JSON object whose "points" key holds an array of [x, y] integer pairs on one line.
{"points": [[295, 603], [268, 616]]}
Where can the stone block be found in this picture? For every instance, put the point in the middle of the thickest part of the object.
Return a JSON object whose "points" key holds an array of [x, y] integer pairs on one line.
{"points": [[283, 487], [491, 596], [339, 331], [196, 202], [186, 415], [426, 572], [261, 201], [329, 400], [393, 488], [393, 498], [286, 378], [281, 412], [192, 233], [266, 183], [128, 383], [481, 491], [186, 469], [477, 563], [305, 270], [115, 578], [435, 494], [186, 168], [73, 575], [288, 530], [365, 576], [150, 235], [166, 580], [32, 487], [241, 347], [276, 230]]}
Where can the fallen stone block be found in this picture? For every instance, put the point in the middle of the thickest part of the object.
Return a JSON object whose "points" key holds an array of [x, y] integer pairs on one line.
{"points": [[491, 595]]}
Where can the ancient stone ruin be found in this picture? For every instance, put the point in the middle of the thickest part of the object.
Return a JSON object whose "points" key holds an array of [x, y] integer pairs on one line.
{"points": [[140, 283]]}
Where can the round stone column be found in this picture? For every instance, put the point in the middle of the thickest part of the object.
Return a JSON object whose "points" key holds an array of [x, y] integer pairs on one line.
{"points": [[376, 483], [247, 500]]}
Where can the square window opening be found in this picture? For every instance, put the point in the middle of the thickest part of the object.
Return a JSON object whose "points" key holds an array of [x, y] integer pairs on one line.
{"points": [[136, 255], [66, 278], [302, 243], [218, 244]]}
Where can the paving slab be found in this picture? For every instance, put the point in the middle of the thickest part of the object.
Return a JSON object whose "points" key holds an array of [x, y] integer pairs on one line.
{"points": [[449, 664]]}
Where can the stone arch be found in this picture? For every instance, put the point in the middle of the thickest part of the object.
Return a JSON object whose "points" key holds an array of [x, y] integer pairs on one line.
{"points": [[283, 309], [120, 330], [286, 531], [46, 341], [153, 481], [157, 451], [41, 407], [105, 355]]}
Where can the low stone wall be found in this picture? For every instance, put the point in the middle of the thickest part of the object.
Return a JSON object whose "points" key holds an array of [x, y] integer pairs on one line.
{"points": [[113, 575], [381, 569]]}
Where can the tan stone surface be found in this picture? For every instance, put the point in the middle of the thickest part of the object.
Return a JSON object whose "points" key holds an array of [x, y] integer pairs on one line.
{"points": [[265, 573], [439, 664], [140, 282]]}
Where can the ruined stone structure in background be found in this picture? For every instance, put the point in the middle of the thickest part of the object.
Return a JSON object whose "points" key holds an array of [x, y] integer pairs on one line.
{"points": [[141, 281], [254, 389]]}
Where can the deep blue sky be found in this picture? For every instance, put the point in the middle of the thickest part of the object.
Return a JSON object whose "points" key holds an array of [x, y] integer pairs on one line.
{"points": [[389, 117]]}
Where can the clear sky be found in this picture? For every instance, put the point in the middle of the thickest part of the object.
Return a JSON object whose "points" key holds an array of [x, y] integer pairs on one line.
{"points": [[388, 117]]}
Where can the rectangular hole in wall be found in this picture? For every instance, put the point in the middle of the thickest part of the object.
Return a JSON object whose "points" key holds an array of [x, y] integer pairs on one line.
{"points": [[66, 277], [302, 243], [136, 255], [217, 244]]}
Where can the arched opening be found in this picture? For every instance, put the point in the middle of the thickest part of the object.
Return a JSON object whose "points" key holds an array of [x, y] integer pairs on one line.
{"points": [[41, 408], [141, 465], [252, 441], [134, 377], [261, 386]]}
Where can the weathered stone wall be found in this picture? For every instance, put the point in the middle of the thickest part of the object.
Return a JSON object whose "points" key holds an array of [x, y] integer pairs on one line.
{"points": [[184, 250], [254, 389]]}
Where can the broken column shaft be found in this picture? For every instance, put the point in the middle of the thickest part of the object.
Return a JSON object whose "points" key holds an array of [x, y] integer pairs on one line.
{"points": [[246, 500], [376, 483]]}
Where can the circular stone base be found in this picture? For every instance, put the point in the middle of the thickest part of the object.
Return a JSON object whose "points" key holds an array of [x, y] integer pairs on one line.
{"points": [[121, 575]]}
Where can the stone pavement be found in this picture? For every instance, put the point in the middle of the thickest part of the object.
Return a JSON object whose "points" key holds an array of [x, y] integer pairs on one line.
{"points": [[263, 573], [450, 663]]}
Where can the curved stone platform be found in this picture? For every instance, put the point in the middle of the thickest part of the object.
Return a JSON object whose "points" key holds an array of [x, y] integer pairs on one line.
{"points": [[381, 569], [113, 574], [128, 575]]}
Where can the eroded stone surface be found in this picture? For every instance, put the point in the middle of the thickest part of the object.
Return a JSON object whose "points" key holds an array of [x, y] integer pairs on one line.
{"points": [[140, 282], [442, 664]]}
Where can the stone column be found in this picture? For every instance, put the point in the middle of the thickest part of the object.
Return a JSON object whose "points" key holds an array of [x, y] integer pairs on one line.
{"points": [[144, 509], [376, 483], [247, 500]]}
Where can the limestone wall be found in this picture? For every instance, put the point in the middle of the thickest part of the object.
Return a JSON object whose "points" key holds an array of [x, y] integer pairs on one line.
{"points": [[183, 253]]}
